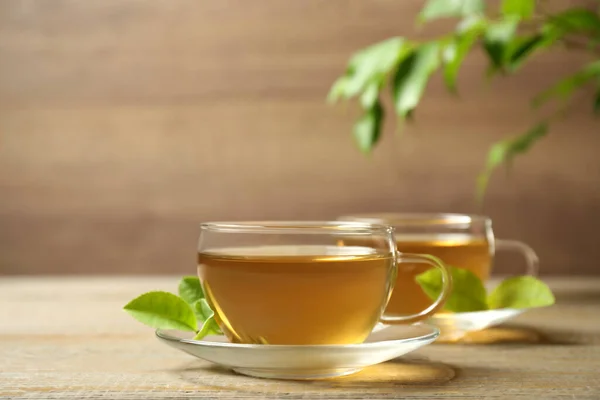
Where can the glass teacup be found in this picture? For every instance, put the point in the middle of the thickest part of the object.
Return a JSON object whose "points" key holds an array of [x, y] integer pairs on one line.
{"points": [[459, 240], [300, 283]]}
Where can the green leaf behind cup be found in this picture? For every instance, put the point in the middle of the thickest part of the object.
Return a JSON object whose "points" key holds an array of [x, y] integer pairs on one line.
{"points": [[468, 293], [206, 314], [209, 327], [190, 289], [521, 292]]}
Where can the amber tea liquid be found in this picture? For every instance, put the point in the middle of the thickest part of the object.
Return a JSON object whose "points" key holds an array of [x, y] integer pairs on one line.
{"points": [[296, 294], [458, 250]]}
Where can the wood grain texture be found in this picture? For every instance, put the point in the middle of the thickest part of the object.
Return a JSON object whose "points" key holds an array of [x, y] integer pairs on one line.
{"points": [[125, 123], [67, 338]]}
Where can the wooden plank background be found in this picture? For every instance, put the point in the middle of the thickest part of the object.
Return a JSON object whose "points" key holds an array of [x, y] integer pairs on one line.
{"points": [[125, 123]]}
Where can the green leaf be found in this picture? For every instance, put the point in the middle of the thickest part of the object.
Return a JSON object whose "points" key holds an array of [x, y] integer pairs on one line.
{"points": [[435, 9], [190, 289], [468, 293], [412, 76], [338, 89], [597, 102], [576, 20], [203, 310], [521, 292], [370, 96], [471, 22], [518, 49], [367, 67], [162, 310], [505, 150], [367, 129], [497, 39], [455, 53], [210, 327], [520, 8], [522, 47], [565, 88], [205, 313]]}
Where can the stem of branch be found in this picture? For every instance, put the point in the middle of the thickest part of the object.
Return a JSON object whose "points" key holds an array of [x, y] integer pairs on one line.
{"points": [[573, 43]]}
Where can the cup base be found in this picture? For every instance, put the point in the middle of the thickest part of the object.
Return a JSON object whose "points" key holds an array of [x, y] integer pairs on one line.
{"points": [[309, 374]]}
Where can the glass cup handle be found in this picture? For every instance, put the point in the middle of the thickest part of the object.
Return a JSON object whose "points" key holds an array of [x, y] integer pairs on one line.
{"points": [[437, 304], [530, 255]]}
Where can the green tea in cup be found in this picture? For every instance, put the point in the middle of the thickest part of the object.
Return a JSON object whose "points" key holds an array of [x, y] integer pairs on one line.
{"points": [[291, 283]]}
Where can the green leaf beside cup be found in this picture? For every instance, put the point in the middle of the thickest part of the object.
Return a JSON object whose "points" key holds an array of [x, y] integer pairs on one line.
{"points": [[187, 312], [162, 310], [469, 293]]}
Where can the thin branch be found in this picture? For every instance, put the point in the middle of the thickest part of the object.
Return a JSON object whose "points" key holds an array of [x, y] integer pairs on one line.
{"points": [[572, 43]]}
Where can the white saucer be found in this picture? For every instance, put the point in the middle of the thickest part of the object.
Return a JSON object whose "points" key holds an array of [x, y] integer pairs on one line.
{"points": [[454, 326], [306, 361]]}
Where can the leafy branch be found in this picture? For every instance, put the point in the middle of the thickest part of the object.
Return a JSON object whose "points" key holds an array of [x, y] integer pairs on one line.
{"points": [[509, 36]]}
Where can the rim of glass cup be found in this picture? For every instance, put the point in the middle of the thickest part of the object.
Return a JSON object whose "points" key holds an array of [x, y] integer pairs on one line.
{"points": [[298, 227], [420, 219]]}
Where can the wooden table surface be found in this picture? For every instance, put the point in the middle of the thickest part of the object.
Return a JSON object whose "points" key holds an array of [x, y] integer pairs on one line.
{"points": [[67, 338]]}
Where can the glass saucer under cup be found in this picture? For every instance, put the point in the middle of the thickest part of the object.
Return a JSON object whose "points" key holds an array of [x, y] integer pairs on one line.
{"points": [[454, 326], [304, 361]]}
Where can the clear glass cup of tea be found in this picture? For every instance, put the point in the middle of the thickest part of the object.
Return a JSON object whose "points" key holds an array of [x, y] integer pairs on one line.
{"points": [[459, 240], [305, 282]]}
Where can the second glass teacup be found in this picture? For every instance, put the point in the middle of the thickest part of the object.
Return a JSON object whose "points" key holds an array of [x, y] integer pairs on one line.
{"points": [[303, 282], [459, 240]]}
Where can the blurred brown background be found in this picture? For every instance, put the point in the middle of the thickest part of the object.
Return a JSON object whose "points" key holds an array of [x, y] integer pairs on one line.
{"points": [[123, 124]]}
